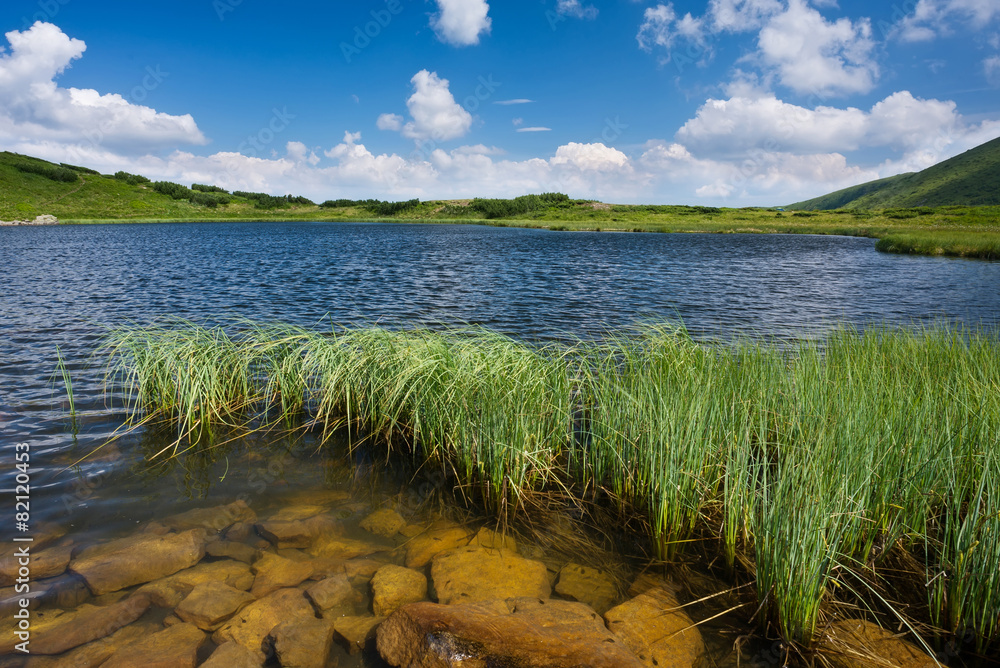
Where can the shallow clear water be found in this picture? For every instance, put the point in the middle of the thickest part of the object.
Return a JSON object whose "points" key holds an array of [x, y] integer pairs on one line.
{"points": [[62, 285]]}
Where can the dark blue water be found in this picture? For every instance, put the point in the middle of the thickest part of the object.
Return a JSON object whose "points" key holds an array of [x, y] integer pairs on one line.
{"points": [[61, 285]]}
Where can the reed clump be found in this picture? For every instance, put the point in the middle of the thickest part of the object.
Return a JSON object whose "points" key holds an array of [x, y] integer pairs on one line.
{"points": [[809, 463]]}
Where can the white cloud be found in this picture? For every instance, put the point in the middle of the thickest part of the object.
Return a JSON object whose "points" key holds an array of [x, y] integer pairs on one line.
{"points": [[34, 108], [576, 9], [299, 152], [741, 15], [595, 157], [991, 67], [534, 129], [656, 27], [461, 22], [728, 128], [931, 18], [392, 122], [520, 100], [813, 55], [435, 113]]}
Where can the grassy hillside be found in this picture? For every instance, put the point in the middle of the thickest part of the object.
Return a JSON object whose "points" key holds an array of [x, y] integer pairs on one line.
{"points": [[969, 179]]}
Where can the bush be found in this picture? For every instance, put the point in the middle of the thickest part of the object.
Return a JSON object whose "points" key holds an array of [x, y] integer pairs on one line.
{"points": [[82, 170], [340, 203], [208, 189], [390, 208], [46, 169], [506, 208], [211, 200], [174, 190], [131, 179]]}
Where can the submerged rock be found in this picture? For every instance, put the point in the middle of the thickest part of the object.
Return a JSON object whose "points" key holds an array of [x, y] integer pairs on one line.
{"points": [[654, 627], [354, 633], [232, 550], [170, 591], [489, 538], [138, 559], [855, 643], [216, 519], [274, 572], [332, 593], [44, 564], [385, 522], [297, 533], [440, 537], [339, 547], [250, 626], [175, 647], [212, 603], [472, 574], [394, 586], [95, 653], [232, 655], [81, 626], [515, 632], [587, 585], [304, 643]]}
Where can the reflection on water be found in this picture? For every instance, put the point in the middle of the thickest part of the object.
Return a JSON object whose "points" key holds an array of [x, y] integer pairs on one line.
{"points": [[62, 284]]}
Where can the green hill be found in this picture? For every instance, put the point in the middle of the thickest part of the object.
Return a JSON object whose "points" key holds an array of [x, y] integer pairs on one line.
{"points": [[969, 179]]}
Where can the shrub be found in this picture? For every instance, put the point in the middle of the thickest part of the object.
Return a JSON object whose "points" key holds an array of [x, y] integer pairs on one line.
{"points": [[390, 208], [82, 170], [208, 189], [174, 190], [131, 179], [46, 169]]}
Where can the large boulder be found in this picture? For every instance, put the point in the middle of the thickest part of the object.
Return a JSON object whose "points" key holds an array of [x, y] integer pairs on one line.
{"points": [[394, 586], [175, 647], [516, 632], [856, 643], [472, 574], [654, 626], [138, 559]]}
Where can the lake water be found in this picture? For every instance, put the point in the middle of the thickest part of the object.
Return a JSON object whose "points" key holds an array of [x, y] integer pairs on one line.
{"points": [[63, 285]]}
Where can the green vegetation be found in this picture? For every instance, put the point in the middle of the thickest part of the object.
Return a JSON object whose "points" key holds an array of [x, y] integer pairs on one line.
{"points": [[948, 230], [969, 179], [831, 473]]}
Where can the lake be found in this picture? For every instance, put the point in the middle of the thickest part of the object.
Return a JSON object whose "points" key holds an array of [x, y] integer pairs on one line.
{"points": [[63, 285]]}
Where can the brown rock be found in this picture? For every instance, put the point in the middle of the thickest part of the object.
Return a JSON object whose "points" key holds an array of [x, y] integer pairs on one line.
{"points": [[170, 591], [137, 559], [227, 548], [304, 643], [473, 574], [216, 519], [297, 533], [356, 632], [239, 532], [489, 538], [172, 620], [332, 593], [425, 546], [176, 647], [516, 632], [303, 511], [394, 586], [855, 643], [654, 627], [87, 623], [274, 573], [232, 655], [339, 547], [385, 522], [361, 571], [95, 653], [44, 564], [212, 603], [587, 585], [250, 626]]}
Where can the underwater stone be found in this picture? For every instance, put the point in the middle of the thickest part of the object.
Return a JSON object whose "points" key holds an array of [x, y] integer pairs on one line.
{"points": [[138, 559]]}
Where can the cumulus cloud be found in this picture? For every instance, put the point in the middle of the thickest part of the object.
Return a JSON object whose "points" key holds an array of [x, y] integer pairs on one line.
{"points": [[576, 9], [593, 157], [741, 15], [34, 108], [461, 22], [900, 122], [931, 18], [434, 112], [813, 55]]}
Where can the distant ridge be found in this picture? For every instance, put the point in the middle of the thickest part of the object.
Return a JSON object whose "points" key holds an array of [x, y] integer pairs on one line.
{"points": [[969, 179]]}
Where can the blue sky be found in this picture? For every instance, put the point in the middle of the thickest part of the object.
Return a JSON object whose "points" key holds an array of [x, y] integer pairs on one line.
{"points": [[726, 102]]}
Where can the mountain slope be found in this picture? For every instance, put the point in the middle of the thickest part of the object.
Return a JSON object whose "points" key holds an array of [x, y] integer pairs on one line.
{"points": [[970, 179]]}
